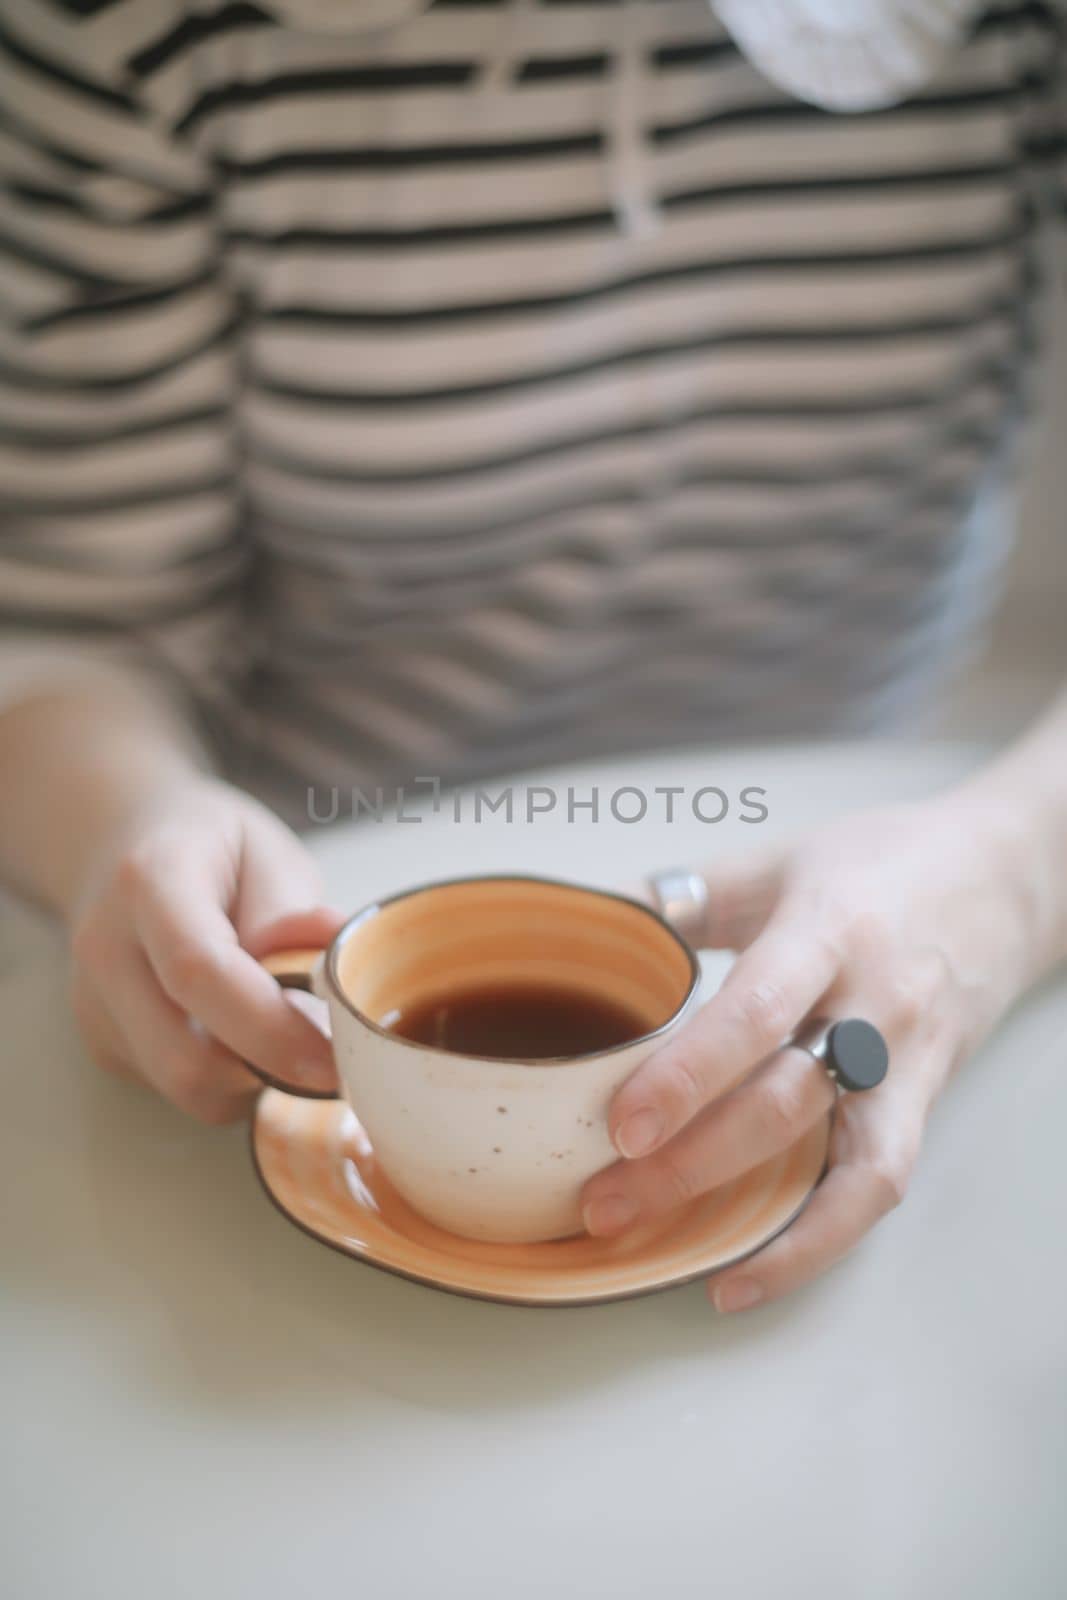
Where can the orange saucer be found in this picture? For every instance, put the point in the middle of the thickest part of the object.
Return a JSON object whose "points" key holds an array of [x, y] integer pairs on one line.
{"points": [[316, 1164]]}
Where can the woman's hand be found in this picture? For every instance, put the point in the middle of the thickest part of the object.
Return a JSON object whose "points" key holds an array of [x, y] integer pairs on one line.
{"points": [[918, 919], [166, 987]]}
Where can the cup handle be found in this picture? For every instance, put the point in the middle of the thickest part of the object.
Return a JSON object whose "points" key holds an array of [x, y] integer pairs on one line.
{"points": [[293, 969]]}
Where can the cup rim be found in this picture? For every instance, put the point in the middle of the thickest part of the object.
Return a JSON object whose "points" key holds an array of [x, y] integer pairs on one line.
{"points": [[368, 912]]}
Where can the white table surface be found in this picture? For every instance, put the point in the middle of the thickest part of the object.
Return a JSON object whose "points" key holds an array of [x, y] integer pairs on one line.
{"points": [[199, 1401]]}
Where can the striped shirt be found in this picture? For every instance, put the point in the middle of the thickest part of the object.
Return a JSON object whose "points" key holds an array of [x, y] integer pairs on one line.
{"points": [[454, 388]]}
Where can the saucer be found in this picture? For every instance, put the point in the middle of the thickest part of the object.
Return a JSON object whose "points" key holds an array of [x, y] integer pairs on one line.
{"points": [[317, 1166]]}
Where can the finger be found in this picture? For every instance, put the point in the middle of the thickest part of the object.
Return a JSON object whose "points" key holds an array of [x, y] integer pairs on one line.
{"points": [[769, 990], [185, 1064], [277, 874], [873, 1150], [193, 949], [299, 930], [760, 1118], [742, 894], [295, 930]]}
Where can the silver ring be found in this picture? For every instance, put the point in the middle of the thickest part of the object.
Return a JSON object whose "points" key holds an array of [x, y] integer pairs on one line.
{"points": [[681, 898], [852, 1050]]}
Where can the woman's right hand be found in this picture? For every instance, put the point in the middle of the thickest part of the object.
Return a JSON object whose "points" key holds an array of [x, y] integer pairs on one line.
{"points": [[172, 912]]}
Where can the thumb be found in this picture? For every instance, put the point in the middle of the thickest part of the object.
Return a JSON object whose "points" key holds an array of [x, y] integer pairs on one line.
{"points": [[741, 896], [308, 929], [276, 875]]}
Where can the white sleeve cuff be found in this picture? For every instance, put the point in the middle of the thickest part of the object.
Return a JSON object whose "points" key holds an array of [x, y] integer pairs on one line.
{"points": [[848, 55]]}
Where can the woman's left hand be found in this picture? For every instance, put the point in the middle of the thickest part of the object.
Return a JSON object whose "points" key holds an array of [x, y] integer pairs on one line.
{"points": [[915, 918]]}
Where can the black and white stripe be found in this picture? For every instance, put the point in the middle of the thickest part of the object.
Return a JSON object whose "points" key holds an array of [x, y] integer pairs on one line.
{"points": [[332, 379]]}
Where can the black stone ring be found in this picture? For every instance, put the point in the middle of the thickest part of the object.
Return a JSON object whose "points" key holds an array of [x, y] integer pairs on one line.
{"points": [[853, 1052]]}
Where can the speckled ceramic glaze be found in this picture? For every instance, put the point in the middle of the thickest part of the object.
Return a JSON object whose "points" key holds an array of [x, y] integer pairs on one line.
{"points": [[493, 1149], [316, 1163]]}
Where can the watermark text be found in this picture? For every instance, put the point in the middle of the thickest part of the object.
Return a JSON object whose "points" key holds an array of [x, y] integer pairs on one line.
{"points": [[528, 804]]}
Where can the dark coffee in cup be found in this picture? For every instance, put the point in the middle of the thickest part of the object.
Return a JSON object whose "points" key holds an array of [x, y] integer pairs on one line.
{"points": [[520, 1021]]}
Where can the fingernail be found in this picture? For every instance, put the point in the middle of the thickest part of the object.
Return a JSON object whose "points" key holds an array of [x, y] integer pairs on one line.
{"points": [[736, 1295], [640, 1133], [609, 1215]]}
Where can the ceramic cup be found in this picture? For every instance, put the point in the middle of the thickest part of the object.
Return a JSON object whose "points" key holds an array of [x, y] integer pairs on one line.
{"points": [[491, 1149]]}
